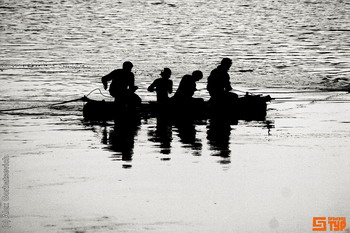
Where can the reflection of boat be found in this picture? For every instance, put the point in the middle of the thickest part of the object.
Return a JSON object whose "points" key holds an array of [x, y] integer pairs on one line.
{"points": [[248, 107]]}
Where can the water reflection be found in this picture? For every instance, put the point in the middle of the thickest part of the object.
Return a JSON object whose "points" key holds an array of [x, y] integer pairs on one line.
{"points": [[218, 135], [187, 133], [162, 134], [121, 139], [269, 124]]}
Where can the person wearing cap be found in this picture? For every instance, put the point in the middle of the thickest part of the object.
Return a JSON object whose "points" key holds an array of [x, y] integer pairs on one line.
{"points": [[122, 85], [163, 86]]}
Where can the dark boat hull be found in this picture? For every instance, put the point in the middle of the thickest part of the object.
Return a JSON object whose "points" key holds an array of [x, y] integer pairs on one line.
{"points": [[244, 108]]}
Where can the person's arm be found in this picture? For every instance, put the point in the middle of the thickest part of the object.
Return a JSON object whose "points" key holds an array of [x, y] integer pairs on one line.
{"points": [[228, 83], [152, 86], [132, 86], [210, 81], [228, 86], [105, 79], [170, 90]]}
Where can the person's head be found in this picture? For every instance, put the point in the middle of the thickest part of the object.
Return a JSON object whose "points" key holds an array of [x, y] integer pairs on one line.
{"points": [[226, 63], [165, 73], [127, 66], [197, 75]]}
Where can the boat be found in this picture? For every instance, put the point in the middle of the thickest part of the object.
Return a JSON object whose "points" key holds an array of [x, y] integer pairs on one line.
{"points": [[248, 107]]}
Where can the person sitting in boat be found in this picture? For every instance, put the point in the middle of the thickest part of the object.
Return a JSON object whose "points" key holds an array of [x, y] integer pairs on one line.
{"points": [[219, 85], [187, 87], [163, 86], [183, 103], [122, 87]]}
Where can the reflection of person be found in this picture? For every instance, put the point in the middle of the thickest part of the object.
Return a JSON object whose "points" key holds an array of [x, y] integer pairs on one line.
{"points": [[122, 87], [162, 134], [187, 134], [163, 86], [219, 81], [187, 86], [218, 135], [121, 138]]}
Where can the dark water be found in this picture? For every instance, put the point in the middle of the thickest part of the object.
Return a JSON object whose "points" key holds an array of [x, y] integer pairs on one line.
{"points": [[175, 178]]}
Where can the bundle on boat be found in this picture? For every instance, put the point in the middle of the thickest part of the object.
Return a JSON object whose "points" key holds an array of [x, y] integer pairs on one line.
{"points": [[248, 107]]}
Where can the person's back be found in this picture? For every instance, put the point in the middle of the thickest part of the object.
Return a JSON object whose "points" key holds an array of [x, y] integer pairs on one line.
{"points": [[222, 101], [219, 79], [122, 87], [187, 86], [121, 82], [163, 86]]}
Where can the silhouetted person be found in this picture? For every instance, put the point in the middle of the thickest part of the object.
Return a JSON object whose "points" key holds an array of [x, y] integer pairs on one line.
{"points": [[222, 103], [183, 103], [122, 87], [187, 86], [219, 81], [163, 86]]}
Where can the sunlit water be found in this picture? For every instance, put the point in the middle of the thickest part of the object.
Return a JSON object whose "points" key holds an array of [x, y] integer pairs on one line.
{"points": [[68, 175]]}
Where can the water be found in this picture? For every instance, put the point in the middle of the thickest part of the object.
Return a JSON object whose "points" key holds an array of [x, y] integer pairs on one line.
{"points": [[67, 175]]}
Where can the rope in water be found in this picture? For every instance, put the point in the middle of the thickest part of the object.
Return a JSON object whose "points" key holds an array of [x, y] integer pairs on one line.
{"points": [[41, 106], [99, 91], [289, 99], [293, 92], [303, 91], [288, 92], [312, 101], [51, 105]]}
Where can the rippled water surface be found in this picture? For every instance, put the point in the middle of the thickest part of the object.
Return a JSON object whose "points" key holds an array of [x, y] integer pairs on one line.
{"points": [[71, 44], [68, 175]]}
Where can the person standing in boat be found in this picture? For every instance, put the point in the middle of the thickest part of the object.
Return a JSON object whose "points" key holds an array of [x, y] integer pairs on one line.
{"points": [[219, 85], [163, 86], [122, 87]]}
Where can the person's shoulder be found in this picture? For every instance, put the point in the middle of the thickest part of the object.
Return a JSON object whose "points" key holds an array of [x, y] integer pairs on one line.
{"points": [[124, 73], [116, 71], [187, 77], [214, 71], [157, 80]]}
